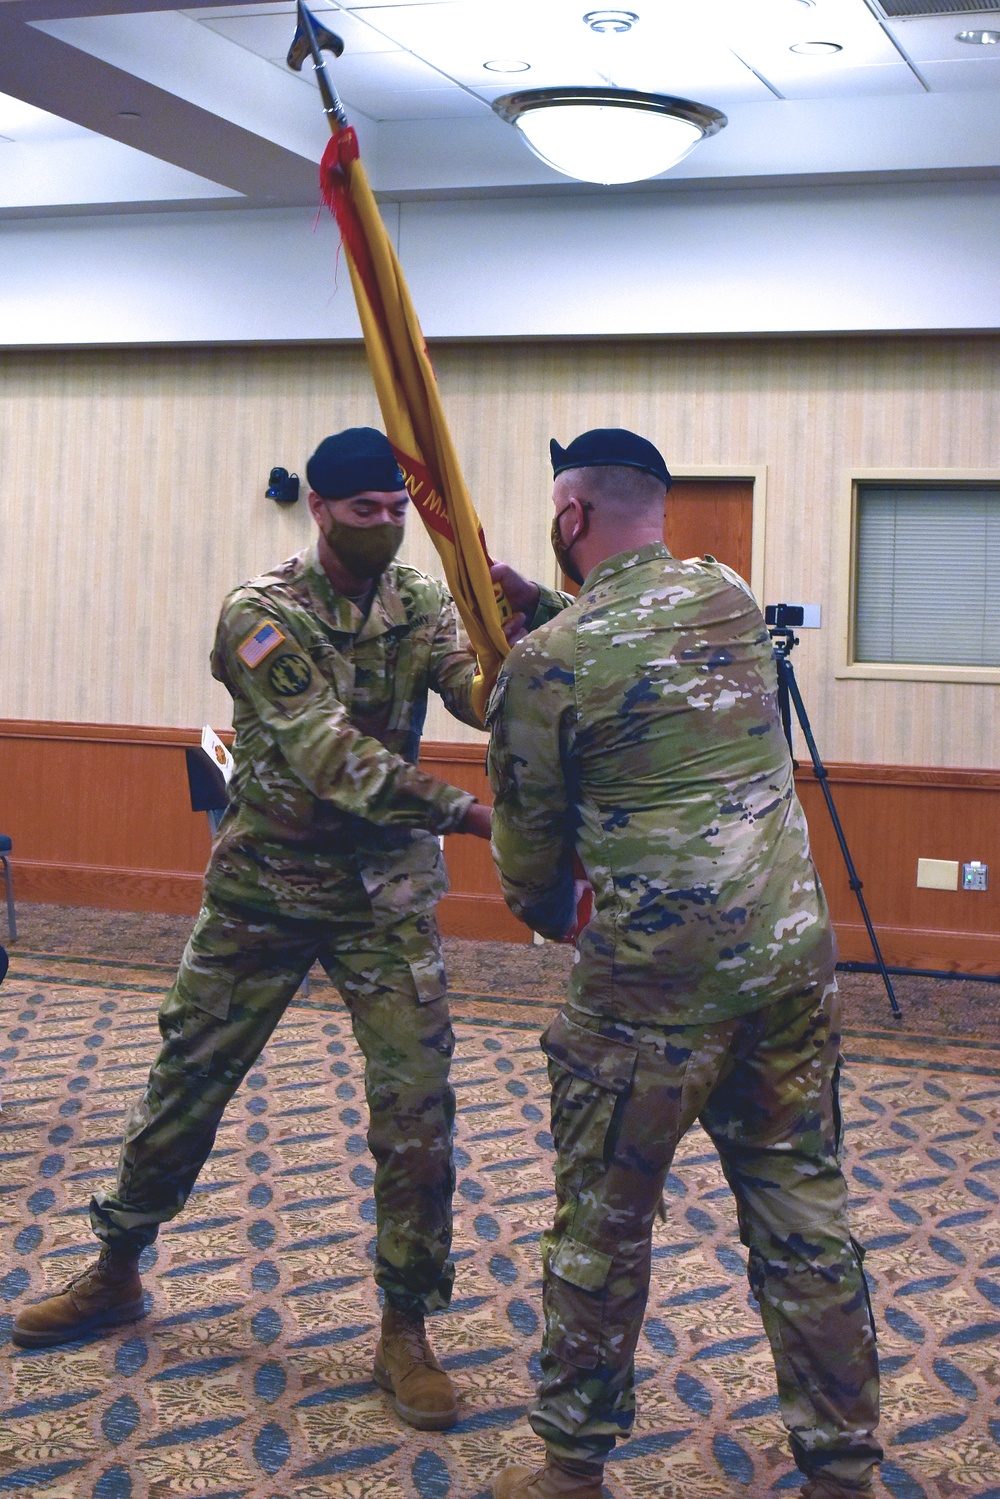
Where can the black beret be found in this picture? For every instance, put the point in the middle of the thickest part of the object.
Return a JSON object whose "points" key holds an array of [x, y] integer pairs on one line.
{"points": [[610, 447], [349, 462]]}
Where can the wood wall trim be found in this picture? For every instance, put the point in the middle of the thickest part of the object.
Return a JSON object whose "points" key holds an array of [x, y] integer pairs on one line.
{"points": [[431, 751], [943, 778], [441, 752], [99, 816], [178, 892], [103, 733], [921, 947], [480, 918], [174, 891], [438, 752]]}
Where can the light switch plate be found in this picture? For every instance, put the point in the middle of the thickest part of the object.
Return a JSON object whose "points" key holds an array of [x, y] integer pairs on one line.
{"points": [[937, 874]]}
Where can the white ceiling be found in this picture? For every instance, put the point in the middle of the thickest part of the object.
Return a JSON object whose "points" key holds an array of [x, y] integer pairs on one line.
{"points": [[45, 160], [193, 105]]}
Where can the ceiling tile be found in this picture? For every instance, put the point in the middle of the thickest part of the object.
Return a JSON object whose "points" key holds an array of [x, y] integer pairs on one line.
{"points": [[269, 33], [421, 104], [868, 62], [46, 161], [167, 49], [363, 5], [846, 82], [669, 50], [388, 72], [962, 77], [934, 38]]}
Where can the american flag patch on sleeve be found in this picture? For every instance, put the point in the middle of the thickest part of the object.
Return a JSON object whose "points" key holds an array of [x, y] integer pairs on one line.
{"points": [[260, 644]]}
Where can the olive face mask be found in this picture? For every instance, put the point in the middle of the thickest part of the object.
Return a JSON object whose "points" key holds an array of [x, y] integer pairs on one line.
{"points": [[365, 551]]}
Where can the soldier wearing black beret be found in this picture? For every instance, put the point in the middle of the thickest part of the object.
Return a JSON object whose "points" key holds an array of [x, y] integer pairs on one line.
{"points": [[636, 743], [329, 850]]}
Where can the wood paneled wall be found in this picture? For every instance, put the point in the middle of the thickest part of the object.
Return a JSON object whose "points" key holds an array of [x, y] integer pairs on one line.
{"points": [[892, 816], [133, 496], [101, 817]]}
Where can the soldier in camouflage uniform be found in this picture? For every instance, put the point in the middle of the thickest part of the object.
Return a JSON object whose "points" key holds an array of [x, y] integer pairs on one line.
{"points": [[637, 732], [328, 851]]}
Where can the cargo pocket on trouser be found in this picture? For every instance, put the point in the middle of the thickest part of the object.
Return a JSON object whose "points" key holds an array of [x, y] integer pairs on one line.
{"points": [[575, 1303], [426, 962], [192, 1017], [590, 1076]]}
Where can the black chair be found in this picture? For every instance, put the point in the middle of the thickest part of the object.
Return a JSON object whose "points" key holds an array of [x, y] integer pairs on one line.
{"points": [[207, 786], [6, 844], [209, 794]]}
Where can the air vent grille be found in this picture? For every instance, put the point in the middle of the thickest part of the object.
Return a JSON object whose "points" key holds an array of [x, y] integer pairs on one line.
{"points": [[894, 8]]}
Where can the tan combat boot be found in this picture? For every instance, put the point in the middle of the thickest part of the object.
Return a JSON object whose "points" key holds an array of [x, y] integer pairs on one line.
{"points": [[554, 1481], [405, 1366], [107, 1293]]}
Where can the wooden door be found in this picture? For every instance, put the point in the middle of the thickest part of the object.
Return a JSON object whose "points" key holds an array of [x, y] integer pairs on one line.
{"points": [[713, 516]]}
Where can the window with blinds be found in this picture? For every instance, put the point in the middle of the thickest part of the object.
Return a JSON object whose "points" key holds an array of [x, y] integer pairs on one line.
{"points": [[927, 574]]}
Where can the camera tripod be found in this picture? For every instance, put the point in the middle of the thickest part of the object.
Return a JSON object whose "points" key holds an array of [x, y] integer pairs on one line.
{"points": [[783, 638]]}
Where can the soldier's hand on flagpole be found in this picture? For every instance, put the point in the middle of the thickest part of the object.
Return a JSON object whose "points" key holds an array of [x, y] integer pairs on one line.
{"points": [[515, 629], [522, 595], [477, 821]]}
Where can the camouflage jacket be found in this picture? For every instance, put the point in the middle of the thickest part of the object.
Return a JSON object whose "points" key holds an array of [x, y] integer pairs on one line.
{"points": [[328, 709], [639, 730]]}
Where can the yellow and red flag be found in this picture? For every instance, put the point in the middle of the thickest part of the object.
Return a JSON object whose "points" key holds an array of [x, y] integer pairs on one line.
{"points": [[411, 406]]}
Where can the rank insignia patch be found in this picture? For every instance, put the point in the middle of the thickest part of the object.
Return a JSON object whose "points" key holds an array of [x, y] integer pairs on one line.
{"points": [[260, 644], [290, 675]]}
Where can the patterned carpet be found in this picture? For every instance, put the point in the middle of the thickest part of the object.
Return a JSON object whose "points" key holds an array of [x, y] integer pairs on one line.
{"points": [[250, 1379]]}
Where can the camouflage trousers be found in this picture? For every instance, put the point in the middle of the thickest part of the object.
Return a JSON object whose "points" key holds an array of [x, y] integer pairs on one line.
{"points": [[239, 971], [764, 1087]]}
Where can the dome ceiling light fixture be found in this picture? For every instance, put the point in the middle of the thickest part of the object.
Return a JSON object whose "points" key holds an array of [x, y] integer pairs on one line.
{"points": [[978, 38], [608, 135], [506, 65]]}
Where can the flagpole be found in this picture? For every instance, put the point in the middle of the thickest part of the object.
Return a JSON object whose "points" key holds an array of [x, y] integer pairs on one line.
{"points": [[403, 376], [336, 114]]}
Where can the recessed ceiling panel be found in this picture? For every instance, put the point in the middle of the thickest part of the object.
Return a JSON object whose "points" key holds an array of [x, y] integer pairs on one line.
{"points": [[961, 77], [268, 31], [667, 49], [415, 104], [168, 49], [390, 71], [363, 6], [833, 48], [936, 39], [811, 81], [46, 161]]}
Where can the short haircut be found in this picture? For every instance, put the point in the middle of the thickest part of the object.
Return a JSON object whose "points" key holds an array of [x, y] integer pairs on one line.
{"points": [[616, 484]]}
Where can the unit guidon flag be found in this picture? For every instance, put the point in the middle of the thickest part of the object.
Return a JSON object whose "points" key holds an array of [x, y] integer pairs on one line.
{"points": [[411, 406]]}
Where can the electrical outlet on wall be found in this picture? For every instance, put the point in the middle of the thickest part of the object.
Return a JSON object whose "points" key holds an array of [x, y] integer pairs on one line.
{"points": [[937, 874]]}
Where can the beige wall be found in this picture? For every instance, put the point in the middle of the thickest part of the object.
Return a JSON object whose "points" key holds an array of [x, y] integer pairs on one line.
{"points": [[131, 487]]}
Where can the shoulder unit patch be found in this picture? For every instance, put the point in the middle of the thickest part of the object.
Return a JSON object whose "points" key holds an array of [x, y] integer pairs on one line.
{"points": [[261, 643], [289, 675]]}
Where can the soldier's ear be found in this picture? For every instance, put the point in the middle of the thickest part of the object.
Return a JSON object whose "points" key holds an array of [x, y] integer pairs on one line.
{"points": [[315, 502]]}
